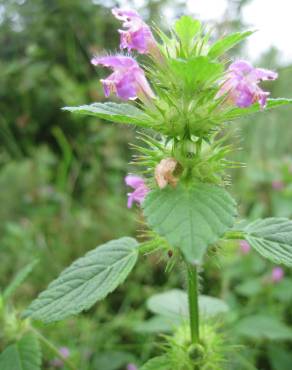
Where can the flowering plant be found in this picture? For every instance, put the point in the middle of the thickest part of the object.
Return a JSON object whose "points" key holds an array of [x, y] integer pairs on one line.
{"points": [[184, 99]]}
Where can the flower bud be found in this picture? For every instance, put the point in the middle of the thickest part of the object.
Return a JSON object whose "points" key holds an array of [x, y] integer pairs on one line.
{"points": [[164, 173]]}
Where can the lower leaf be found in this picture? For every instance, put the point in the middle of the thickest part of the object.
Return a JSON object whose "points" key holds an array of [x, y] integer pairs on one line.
{"points": [[23, 355], [88, 280]]}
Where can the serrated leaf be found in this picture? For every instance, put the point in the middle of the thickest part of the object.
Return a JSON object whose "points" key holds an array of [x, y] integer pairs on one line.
{"points": [[18, 279], [186, 29], [255, 108], [173, 304], [120, 113], [262, 327], [23, 355], [88, 280], [222, 46], [272, 238], [157, 363], [192, 218]]}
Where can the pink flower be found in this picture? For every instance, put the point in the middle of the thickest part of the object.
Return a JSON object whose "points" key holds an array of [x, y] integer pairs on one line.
{"points": [[127, 81], [57, 362], [244, 246], [277, 274], [241, 84], [132, 367], [140, 189], [137, 35], [277, 185]]}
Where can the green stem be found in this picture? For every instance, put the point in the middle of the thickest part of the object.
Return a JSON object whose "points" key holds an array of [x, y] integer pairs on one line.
{"points": [[53, 349], [193, 302]]}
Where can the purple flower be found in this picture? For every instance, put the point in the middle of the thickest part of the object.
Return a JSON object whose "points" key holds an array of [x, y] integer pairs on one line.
{"points": [[277, 274], [137, 35], [127, 81], [57, 362], [244, 246], [132, 367], [140, 189], [277, 185], [241, 84]]}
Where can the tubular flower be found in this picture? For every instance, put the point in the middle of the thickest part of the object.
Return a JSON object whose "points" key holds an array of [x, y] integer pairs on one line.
{"points": [[140, 189], [127, 81], [137, 35], [241, 84], [164, 173]]}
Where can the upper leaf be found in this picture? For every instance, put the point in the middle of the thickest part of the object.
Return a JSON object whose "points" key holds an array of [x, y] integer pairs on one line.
{"points": [[121, 113], [173, 304], [272, 238], [187, 28], [23, 355], [235, 113], [190, 218], [196, 70], [223, 45], [87, 280]]}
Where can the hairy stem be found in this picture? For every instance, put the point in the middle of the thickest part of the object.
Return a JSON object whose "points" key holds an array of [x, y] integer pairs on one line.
{"points": [[53, 349], [193, 302]]}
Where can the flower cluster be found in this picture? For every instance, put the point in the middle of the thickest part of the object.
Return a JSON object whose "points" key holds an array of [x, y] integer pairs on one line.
{"points": [[239, 87]]}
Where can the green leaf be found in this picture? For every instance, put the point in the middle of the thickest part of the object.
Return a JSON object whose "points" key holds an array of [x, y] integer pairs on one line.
{"points": [[112, 360], [156, 324], [211, 306], [120, 113], [23, 355], [260, 327], [187, 28], [192, 218], [222, 46], [173, 304], [196, 70], [243, 112], [249, 288], [280, 358], [18, 279], [272, 238], [88, 280], [156, 363]]}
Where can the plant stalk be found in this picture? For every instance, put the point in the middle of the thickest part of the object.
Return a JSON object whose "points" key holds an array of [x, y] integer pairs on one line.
{"points": [[193, 302], [53, 349]]}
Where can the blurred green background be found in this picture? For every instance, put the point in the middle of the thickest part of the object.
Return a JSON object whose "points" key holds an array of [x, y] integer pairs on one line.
{"points": [[62, 190]]}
